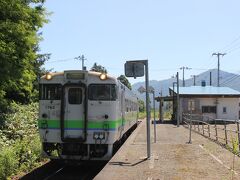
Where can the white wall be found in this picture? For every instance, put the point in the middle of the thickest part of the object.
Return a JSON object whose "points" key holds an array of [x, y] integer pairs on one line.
{"points": [[232, 105]]}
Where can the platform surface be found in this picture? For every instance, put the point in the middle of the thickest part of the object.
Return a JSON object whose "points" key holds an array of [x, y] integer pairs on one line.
{"points": [[172, 157]]}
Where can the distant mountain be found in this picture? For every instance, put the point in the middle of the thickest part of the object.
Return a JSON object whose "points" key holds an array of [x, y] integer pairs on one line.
{"points": [[226, 79], [159, 86]]}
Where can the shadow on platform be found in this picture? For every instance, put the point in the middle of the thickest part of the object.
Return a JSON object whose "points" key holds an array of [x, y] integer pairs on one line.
{"points": [[168, 121], [127, 164]]}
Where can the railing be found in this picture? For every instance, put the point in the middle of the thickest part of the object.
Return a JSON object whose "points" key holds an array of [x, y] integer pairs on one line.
{"points": [[222, 131]]}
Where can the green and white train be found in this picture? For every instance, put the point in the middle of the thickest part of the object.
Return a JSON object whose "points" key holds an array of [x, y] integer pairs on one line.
{"points": [[84, 115]]}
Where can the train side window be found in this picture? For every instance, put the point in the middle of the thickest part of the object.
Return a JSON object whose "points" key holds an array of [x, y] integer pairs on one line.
{"points": [[50, 91], [75, 96]]}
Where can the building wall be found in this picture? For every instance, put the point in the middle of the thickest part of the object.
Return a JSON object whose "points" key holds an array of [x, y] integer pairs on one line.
{"points": [[208, 102], [231, 104]]}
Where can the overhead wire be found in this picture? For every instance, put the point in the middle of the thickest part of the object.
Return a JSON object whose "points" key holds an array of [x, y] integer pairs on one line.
{"points": [[230, 79], [232, 47], [232, 50], [228, 49], [209, 66], [60, 60], [231, 44]]}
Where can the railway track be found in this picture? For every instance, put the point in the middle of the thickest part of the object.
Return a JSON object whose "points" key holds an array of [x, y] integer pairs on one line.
{"points": [[60, 171], [53, 170]]}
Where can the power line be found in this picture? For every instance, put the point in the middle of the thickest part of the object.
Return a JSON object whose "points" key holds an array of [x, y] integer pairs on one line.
{"points": [[230, 79], [60, 60], [232, 50], [233, 47], [210, 65], [230, 44]]}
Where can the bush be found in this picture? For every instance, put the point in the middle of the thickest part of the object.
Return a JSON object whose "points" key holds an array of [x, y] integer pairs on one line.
{"points": [[20, 144], [19, 122], [28, 153], [8, 162]]}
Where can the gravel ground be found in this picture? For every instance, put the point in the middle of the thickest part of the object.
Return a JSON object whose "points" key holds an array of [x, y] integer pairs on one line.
{"points": [[172, 157]]}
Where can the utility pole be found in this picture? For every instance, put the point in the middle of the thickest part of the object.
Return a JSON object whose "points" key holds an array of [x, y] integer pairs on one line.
{"points": [[194, 79], [81, 58], [183, 68], [210, 78], [161, 111], [154, 119], [218, 56], [178, 103]]}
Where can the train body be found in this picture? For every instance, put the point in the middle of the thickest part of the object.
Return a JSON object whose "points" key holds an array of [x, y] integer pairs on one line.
{"points": [[83, 114]]}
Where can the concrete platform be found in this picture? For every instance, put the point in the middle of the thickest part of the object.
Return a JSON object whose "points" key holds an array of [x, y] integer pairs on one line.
{"points": [[171, 158]]}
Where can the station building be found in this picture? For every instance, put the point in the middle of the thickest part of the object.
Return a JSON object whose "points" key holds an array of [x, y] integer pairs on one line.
{"points": [[214, 102]]}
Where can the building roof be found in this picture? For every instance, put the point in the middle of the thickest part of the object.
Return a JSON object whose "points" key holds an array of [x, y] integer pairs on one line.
{"points": [[206, 90]]}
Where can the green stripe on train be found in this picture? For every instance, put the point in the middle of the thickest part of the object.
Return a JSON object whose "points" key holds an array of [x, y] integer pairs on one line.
{"points": [[42, 124]]}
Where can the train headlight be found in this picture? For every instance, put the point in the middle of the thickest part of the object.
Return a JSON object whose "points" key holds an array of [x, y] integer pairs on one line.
{"points": [[101, 136], [95, 135], [98, 135], [103, 76], [48, 76]]}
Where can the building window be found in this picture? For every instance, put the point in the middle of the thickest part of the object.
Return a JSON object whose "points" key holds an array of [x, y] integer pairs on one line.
{"points": [[191, 105], [224, 110], [209, 109]]}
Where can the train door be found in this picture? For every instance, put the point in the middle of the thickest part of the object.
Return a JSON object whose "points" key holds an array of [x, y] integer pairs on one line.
{"points": [[73, 123]]}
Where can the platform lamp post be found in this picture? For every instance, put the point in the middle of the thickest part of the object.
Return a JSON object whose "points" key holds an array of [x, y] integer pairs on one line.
{"points": [[137, 68]]}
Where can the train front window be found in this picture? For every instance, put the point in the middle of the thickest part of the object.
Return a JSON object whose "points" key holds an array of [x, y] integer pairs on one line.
{"points": [[104, 92], [50, 91], [75, 96]]}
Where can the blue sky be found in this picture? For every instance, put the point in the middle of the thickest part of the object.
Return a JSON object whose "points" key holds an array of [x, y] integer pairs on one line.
{"points": [[169, 33]]}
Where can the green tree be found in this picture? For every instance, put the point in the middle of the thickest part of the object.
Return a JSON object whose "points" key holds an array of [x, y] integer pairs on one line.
{"points": [[125, 81], [39, 71], [20, 21], [98, 68], [141, 105]]}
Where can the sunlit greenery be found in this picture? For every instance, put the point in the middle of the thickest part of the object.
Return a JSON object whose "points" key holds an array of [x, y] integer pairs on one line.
{"points": [[123, 79], [20, 21], [98, 68], [20, 144], [166, 116], [21, 66]]}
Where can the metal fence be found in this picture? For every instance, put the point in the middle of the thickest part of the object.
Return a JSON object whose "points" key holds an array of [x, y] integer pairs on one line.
{"points": [[222, 131]]}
